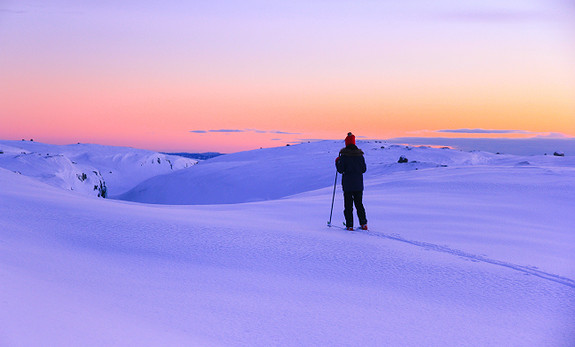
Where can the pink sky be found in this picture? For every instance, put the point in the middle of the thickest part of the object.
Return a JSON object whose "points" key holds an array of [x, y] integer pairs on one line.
{"points": [[151, 74]]}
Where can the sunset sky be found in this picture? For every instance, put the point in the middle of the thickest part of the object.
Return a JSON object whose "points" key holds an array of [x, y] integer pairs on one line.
{"points": [[222, 75]]}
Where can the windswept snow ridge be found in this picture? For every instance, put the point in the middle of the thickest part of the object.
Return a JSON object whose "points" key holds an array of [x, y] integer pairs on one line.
{"points": [[274, 173]]}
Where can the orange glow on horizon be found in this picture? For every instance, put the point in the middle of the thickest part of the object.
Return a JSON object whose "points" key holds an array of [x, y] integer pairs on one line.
{"points": [[148, 86], [161, 122]]}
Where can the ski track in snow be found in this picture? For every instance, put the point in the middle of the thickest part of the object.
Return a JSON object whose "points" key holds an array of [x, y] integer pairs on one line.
{"points": [[529, 270]]}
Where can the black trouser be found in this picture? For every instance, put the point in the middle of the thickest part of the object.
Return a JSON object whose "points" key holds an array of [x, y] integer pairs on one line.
{"points": [[349, 199]]}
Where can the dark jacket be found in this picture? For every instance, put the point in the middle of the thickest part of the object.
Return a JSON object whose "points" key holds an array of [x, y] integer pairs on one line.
{"points": [[351, 164]]}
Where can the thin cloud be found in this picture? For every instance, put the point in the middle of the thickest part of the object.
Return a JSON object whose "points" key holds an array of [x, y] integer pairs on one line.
{"points": [[257, 131], [283, 133], [217, 131], [485, 131], [227, 131]]}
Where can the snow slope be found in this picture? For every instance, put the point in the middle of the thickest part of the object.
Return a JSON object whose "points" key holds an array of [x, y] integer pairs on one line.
{"points": [[274, 173], [526, 146], [81, 167], [476, 253]]}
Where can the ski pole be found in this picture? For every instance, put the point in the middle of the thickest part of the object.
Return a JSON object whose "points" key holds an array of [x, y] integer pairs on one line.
{"points": [[332, 199]]}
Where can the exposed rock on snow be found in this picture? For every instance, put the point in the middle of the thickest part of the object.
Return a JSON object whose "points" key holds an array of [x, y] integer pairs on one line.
{"points": [[402, 160], [57, 170]]}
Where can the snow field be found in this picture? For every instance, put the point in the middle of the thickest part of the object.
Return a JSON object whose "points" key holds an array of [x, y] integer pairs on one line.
{"points": [[461, 255]]}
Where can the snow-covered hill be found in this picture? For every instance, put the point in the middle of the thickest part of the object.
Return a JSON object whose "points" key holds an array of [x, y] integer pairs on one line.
{"points": [[471, 248], [88, 168], [274, 173]]}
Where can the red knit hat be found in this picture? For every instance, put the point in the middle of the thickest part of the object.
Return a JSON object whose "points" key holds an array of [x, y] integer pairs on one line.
{"points": [[350, 139]]}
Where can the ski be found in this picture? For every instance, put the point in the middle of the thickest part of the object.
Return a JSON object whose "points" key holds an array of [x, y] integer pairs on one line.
{"points": [[329, 224]]}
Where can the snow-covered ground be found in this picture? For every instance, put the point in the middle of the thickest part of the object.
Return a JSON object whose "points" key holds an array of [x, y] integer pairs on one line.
{"points": [[465, 248], [80, 167]]}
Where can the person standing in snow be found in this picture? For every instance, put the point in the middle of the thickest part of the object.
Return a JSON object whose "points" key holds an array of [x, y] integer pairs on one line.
{"points": [[351, 164]]}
